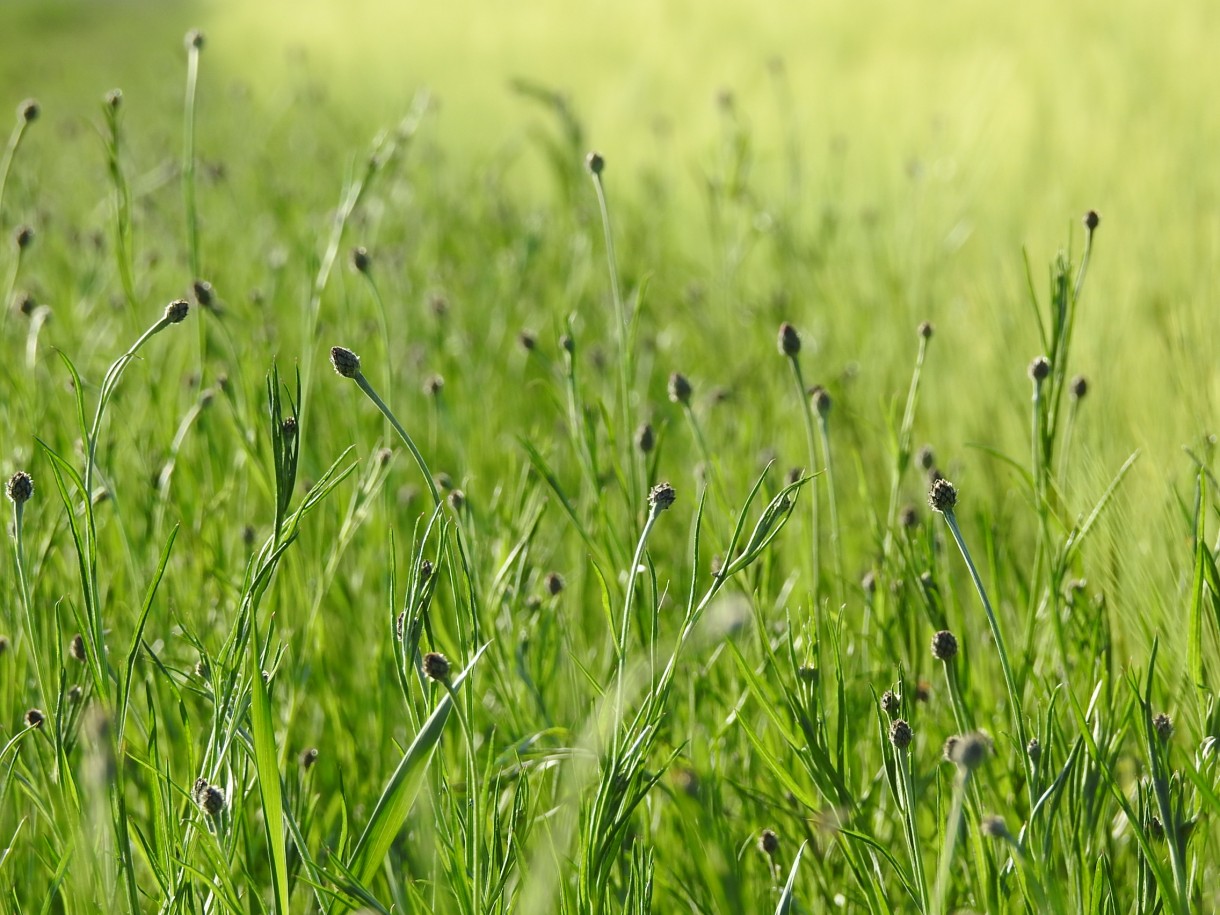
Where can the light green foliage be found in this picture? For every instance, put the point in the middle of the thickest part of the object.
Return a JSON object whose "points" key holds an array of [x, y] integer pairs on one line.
{"points": [[725, 700]]}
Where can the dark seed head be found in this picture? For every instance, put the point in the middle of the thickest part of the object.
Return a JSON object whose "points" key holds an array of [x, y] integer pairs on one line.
{"points": [[950, 747], [1080, 386], [1040, 369], [808, 674], [926, 329], [890, 702], [789, 340], [1034, 750], [971, 750], [177, 310], [434, 385], [77, 648], [821, 399], [457, 499], [679, 388], [595, 163], [568, 344], [942, 496], [1162, 724], [20, 488], [308, 758], [346, 362], [1156, 828], [211, 800], [661, 497], [554, 583], [29, 110], [768, 843], [23, 237], [34, 718], [901, 734], [869, 582], [926, 457], [436, 666], [645, 438], [205, 295], [4, 643], [289, 427], [360, 259], [526, 340], [113, 99], [194, 40], [994, 827], [909, 517], [75, 694], [944, 645], [1091, 220]]}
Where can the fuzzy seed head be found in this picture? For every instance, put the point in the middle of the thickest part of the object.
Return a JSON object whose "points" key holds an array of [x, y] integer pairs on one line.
{"points": [[970, 751], [457, 499], [205, 295], [19, 488], [661, 497], [944, 645], [434, 385], [679, 388], [360, 259], [568, 344], [768, 843], [927, 329], [1040, 369], [994, 827], [308, 758], [789, 340], [821, 399], [436, 666], [869, 582], [942, 496], [29, 110], [346, 362], [23, 237], [77, 648], [425, 571], [75, 694], [645, 438], [209, 798], [4, 644], [808, 674], [1034, 750], [909, 517], [901, 734], [113, 99], [925, 457], [595, 163], [1080, 387], [526, 340], [34, 718], [1162, 724], [950, 747], [194, 40], [177, 310], [1091, 220], [554, 583], [890, 702]]}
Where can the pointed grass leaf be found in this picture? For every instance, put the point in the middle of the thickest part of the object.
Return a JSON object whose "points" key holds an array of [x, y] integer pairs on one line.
{"points": [[787, 897]]}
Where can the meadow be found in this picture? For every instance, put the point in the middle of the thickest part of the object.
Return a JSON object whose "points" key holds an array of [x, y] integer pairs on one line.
{"points": [[657, 457]]}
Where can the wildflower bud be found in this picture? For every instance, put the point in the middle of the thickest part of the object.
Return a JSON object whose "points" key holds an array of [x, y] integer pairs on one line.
{"points": [[436, 666], [308, 758], [923, 691], [457, 499], [950, 747], [970, 750], [75, 694], [1040, 369], [1156, 828], [554, 583], [203, 670], [1080, 387], [425, 571], [526, 340], [177, 310], [944, 645], [1091, 220], [23, 237], [1162, 724], [926, 329], [77, 648], [289, 428], [209, 798], [901, 734], [679, 388], [942, 496], [434, 385], [29, 110], [204, 294], [383, 456], [869, 582], [789, 340], [890, 702], [925, 457], [34, 718], [768, 843], [595, 163], [994, 827], [909, 517], [360, 259], [113, 99], [20, 488], [1034, 750], [645, 438], [821, 399], [661, 497], [808, 674], [194, 40], [346, 362], [24, 303], [567, 344]]}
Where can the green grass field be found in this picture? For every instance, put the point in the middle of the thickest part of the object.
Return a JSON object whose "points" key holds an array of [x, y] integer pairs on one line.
{"points": [[502, 528]]}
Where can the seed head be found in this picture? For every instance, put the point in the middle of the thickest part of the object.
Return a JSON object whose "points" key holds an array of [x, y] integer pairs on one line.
{"points": [[869, 582], [821, 399], [203, 670], [113, 99], [436, 666], [1091, 220], [194, 40], [526, 340], [645, 438], [457, 499], [950, 747], [901, 734], [923, 691], [789, 340], [661, 496], [1040, 369], [77, 648], [209, 798], [289, 427], [75, 694], [595, 163], [1080, 386], [1156, 828], [942, 496], [360, 259], [994, 827], [554, 583], [29, 110], [308, 758], [34, 718], [926, 457], [909, 517], [23, 237], [425, 571], [1034, 750], [177, 310], [1162, 724], [24, 303], [890, 702], [4, 643], [204, 294], [808, 674], [768, 843], [20, 488], [346, 362], [679, 388], [434, 385], [944, 645], [568, 344], [969, 751], [927, 329]]}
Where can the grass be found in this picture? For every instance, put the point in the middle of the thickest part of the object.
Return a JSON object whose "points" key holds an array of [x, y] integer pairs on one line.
{"points": [[462, 636]]}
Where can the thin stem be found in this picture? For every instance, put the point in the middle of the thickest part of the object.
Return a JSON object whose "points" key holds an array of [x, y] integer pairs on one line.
{"points": [[951, 830], [810, 440], [836, 546], [24, 586], [188, 160], [402, 434], [14, 143], [906, 784]]}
